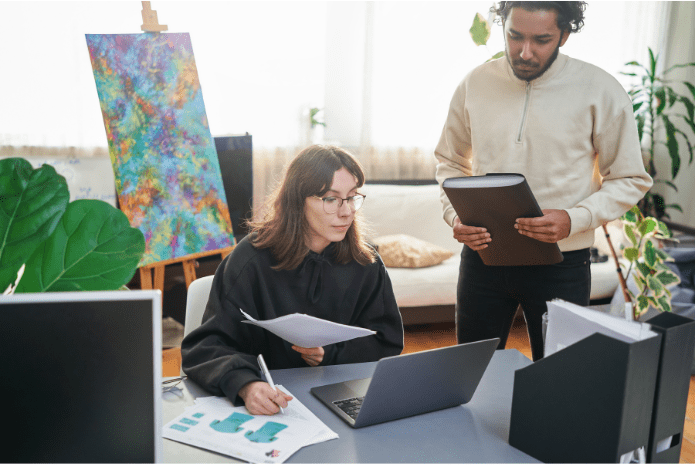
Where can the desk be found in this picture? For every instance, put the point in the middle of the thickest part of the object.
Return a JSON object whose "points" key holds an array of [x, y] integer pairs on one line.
{"points": [[475, 432]]}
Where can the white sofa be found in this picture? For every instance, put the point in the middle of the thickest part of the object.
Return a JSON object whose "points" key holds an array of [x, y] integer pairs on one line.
{"points": [[427, 295]]}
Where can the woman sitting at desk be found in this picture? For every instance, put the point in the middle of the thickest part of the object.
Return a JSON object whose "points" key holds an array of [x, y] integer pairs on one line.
{"points": [[308, 255]]}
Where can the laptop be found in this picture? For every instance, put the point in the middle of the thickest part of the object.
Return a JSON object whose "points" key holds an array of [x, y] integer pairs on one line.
{"points": [[81, 377], [410, 384]]}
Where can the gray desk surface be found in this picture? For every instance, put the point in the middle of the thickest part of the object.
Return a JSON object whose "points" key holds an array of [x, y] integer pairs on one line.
{"points": [[475, 432]]}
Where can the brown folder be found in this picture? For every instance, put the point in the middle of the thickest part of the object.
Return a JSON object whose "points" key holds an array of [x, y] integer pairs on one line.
{"points": [[494, 202]]}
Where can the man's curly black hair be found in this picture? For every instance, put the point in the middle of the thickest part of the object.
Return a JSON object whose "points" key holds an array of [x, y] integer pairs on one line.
{"points": [[570, 15]]}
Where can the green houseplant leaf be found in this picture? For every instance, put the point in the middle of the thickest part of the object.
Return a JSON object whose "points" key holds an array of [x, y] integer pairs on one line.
{"points": [[667, 278], [657, 105], [649, 254], [631, 253], [651, 275], [31, 205], [630, 233], [93, 248], [480, 30], [495, 56]]}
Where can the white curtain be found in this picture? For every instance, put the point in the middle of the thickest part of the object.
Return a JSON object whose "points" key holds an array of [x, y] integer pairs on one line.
{"points": [[383, 71], [679, 49]]}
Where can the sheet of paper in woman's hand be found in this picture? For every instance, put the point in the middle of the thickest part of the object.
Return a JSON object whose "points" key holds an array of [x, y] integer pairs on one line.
{"points": [[308, 331]]}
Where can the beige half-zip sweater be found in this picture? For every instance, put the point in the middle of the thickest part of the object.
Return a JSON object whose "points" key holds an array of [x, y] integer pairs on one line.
{"points": [[570, 132]]}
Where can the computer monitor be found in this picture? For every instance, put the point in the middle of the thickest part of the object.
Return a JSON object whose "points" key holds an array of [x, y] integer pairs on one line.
{"points": [[81, 377]]}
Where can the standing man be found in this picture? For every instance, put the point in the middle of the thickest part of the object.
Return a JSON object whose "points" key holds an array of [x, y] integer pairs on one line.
{"points": [[568, 127]]}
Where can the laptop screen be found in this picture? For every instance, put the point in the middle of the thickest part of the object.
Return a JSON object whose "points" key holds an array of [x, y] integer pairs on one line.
{"points": [[81, 376]]}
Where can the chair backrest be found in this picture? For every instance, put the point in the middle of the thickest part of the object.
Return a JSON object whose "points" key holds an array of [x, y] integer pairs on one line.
{"points": [[197, 300]]}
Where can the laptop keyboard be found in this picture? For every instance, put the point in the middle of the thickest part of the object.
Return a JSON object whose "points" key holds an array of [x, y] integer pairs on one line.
{"points": [[350, 406]]}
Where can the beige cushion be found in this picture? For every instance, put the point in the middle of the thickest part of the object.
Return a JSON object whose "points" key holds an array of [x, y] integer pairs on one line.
{"points": [[403, 251]]}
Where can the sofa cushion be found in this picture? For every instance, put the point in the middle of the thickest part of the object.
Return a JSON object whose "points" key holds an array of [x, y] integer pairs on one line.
{"points": [[420, 287], [403, 251], [412, 210]]}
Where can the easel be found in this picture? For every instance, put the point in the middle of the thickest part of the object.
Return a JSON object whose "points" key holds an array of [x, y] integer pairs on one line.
{"points": [[150, 23], [189, 263]]}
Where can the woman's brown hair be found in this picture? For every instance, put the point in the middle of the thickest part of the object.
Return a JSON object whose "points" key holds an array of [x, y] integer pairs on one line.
{"points": [[284, 229]]}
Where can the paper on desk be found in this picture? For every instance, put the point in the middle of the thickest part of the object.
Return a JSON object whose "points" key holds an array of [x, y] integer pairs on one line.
{"points": [[308, 331], [295, 409], [569, 323], [214, 423]]}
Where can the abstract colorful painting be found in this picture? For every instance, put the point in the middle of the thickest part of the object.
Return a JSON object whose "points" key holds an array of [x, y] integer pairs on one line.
{"points": [[166, 168]]}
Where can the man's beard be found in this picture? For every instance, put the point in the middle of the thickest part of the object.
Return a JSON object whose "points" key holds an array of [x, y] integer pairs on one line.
{"points": [[520, 62]]}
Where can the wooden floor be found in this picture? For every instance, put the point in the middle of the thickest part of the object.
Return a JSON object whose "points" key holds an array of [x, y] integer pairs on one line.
{"points": [[423, 337]]}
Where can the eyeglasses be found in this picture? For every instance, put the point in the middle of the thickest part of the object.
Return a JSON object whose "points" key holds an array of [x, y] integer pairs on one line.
{"points": [[171, 384], [332, 204]]}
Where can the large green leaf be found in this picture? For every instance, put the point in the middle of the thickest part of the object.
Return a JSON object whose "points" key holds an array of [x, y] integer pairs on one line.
{"points": [[647, 226], [660, 94], [655, 285], [672, 145], [689, 107], [93, 248], [495, 56], [632, 215], [691, 88], [631, 253], [643, 269], [480, 30], [664, 303], [667, 278], [682, 65], [630, 233], [649, 254], [641, 121], [31, 204], [642, 304], [685, 137], [652, 63]]}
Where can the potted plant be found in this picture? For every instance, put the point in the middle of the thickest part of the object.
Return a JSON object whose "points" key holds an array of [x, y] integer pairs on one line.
{"points": [[657, 105], [646, 263], [60, 245]]}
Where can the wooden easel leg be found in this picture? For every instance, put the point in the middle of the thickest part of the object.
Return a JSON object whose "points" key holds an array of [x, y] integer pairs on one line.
{"points": [[145, 278], [159, 277], [189, 271]]}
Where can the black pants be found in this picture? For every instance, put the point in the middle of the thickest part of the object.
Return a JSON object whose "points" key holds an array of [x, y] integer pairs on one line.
{"points": [[488, 296]]}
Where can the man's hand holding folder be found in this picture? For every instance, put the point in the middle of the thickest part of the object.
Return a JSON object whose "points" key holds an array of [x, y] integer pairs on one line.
{"points": [[498, 216], [552, 227], [474, 237]]}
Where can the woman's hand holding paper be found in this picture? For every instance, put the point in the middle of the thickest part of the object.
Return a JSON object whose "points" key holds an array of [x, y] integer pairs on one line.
{"points": [[313, 356]]}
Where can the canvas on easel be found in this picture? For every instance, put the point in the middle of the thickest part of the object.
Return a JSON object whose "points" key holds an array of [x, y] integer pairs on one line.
{"points": [[167, 173]]}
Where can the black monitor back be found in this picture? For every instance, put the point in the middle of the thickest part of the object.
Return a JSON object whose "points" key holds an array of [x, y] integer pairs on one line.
{"points": [[80, 377]]}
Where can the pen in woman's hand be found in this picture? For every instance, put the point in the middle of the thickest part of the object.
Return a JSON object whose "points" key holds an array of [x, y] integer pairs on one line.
{"points": [[268, 378]]}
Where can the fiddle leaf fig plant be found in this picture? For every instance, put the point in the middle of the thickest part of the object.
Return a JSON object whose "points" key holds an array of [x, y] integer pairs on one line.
{"points": [[31, 204], [652, 276], [65, 246]]}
